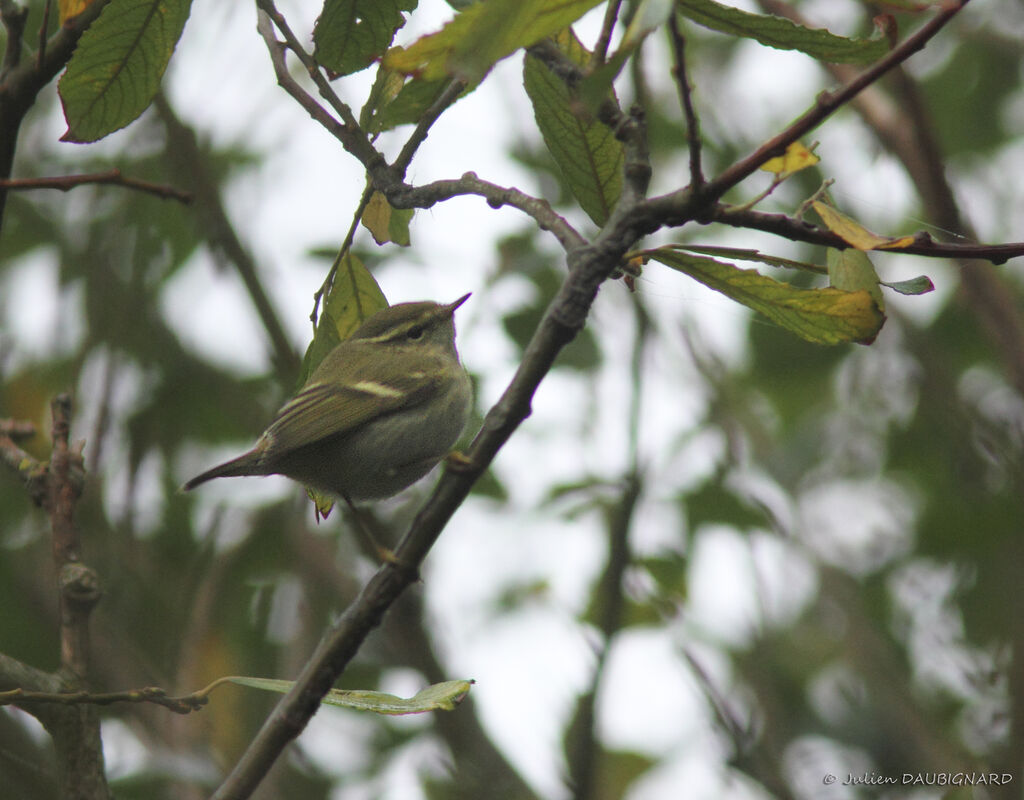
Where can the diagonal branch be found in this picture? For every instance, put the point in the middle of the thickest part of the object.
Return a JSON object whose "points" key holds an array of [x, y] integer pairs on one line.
{"points": [[827, 103]]}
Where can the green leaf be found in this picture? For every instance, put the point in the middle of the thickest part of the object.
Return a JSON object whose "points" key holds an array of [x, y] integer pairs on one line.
{"points": [[852, 232], [922, 284], [117, 66], [385, 223], [350, 34], [743, 254], [823, 316], [386, 87], [586, 151], [649, 16], [782, 34], [483, 34], [408, 105], [438, 697], [852, 270], [353, 297]]}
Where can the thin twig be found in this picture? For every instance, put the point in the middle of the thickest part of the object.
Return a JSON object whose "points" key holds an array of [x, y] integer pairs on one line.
{"points": [[425, 196], [800, 231], [448, 95], [41, 52], [611, 16], [65, 183], [827, 103], [16, 429], [180, 705], [350, 236], [347, 130], [693, 139], [358, 142], [78, 584]]}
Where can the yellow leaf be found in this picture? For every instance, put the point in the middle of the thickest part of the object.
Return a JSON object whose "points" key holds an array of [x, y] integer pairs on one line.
{"points": [[824, 316], [855, 234], [796, 158], [482, 34], [71, 8], [851, 270], [385, 223]]}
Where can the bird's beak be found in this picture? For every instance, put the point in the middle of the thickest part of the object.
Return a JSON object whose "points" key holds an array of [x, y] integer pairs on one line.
{"points": [[452, 306]]}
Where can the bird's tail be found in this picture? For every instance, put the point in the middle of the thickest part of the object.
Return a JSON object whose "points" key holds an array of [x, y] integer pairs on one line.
{"points": [[245, 464]]}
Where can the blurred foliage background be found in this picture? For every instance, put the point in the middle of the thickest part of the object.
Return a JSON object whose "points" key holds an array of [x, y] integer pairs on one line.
{"points": [[861, 508]]}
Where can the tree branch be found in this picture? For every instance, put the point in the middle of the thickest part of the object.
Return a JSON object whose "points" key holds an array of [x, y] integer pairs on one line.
{"points": [[21, 81], [827, 104], [611, 16], [348, 131], [185, 704], [799, 231], [65, 183], [693, 140]]}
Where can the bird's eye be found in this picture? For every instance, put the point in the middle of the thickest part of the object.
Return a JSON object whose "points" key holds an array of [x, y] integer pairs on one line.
{"points": [[415, 333]]}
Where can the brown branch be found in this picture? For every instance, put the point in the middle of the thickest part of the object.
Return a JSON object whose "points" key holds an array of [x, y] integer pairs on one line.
{"points": [[582, 746], [444, 100], [21, 81], [827, 104], [16, 429], [800, 231], [41, 51], [693, 139], [402, 195], [905, 129], [348, 130], [78, 584], [611, 16], [185, 704], [589, 266], [65, 183]]}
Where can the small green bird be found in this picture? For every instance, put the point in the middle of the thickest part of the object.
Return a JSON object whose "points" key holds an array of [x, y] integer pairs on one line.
{"points": [[376, 415]]}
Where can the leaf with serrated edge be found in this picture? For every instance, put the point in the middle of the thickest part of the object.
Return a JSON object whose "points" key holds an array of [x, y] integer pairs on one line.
{"points": [[483, 34], [354, 296], [823, 316], [116, 69], [350, 34], [783, 34], [586, 150]]}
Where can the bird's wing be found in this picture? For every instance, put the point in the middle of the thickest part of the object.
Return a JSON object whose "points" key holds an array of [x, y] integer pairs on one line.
{"points": [[321, 409]]}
